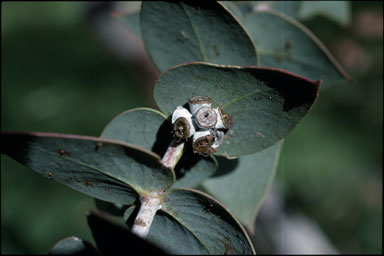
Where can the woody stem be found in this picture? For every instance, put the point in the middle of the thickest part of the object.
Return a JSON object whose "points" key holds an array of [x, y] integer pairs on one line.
{"points": [[151, 203]]}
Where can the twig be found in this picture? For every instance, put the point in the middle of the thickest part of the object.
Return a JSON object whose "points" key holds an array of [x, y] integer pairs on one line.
{"points": [[151, 203]]}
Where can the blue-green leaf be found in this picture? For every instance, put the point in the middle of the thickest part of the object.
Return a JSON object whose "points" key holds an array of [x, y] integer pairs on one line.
{"points": [[185, 31], [191, 222], [73, 246], [241, 184], [284, 43], [266, 103], [109, 170]]}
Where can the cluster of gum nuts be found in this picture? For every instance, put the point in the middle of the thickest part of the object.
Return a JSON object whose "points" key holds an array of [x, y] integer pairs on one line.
{"points": [[206, 125]]}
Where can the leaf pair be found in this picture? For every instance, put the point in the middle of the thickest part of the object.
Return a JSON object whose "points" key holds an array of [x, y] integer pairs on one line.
{"points": [[118, 172], [207, 31]]}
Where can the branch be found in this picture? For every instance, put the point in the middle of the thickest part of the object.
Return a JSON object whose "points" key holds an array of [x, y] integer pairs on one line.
{"points": [[150, 204], [148, 208]]}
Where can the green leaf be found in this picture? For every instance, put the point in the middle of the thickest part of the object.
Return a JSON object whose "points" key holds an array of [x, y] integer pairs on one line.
{"points": [[191, 222], [266, 103], [73, 246], [337, 11], [145, 127], [234, 9], [285, 43], [114, 239], [109, 170], [151, 130], [241, 184], [179, 32]]}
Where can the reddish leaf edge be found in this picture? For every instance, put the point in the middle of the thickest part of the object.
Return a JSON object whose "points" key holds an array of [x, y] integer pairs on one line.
{"points": [[83, 137]]}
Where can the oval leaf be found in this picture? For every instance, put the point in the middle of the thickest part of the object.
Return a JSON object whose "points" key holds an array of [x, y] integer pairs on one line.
{"points": [[241, 184], [73, 246], [145, 127], [284, 43], [109, 170], [149, 129], [266, 103], [191, 222], [179, 32]]}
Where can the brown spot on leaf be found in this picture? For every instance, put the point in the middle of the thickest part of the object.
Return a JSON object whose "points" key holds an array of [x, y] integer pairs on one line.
{"points": [[288, 45], [98, 145], [227, 245], [87, 182], [62, 152], [208, 208], [227, 250]]}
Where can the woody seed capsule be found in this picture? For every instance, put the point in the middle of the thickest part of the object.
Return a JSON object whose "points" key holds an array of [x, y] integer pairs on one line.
{"points": [[182, 123], [181, 128], [206, 117], [197, 102], [203, 142]]}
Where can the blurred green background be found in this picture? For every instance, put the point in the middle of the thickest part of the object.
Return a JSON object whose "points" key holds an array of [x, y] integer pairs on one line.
{"points": [[58, 76]]}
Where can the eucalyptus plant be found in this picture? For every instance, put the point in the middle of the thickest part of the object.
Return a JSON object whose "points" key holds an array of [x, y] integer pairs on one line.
{"points": [[261, 71]]}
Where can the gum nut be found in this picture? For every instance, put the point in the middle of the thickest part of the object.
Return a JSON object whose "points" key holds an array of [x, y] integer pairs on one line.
{"points": [[181, 128], [180, 112], [206, 117], [197, 102], [203, 141]]}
